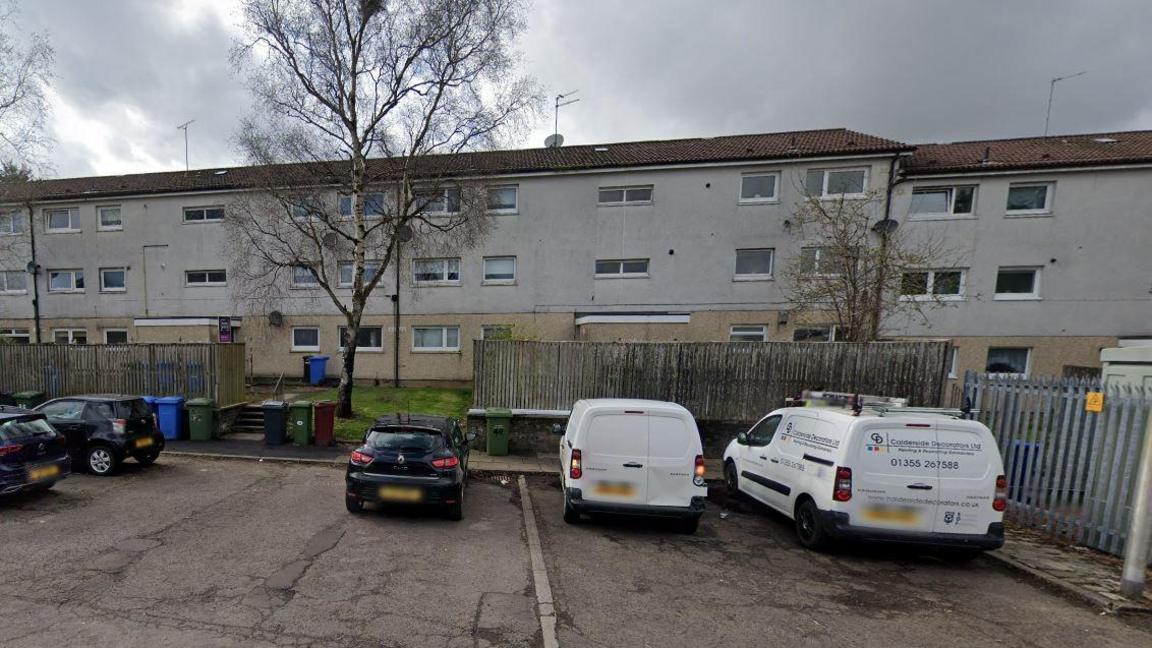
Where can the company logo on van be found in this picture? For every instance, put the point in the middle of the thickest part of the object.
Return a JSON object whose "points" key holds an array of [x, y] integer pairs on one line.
{"points": [[877, 444]]}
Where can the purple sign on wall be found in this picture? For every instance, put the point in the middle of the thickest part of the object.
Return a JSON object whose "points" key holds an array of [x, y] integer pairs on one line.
{"points": [[225, 329]]}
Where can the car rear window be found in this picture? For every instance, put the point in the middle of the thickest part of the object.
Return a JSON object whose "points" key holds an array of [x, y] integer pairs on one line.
{"points": [[136, 408], [24, 428], [405, 439]]}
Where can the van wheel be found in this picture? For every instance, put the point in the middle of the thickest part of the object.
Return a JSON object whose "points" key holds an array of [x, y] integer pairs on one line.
{"points": [[102, 461], [808, 528], [571, 515], [731, 479]]}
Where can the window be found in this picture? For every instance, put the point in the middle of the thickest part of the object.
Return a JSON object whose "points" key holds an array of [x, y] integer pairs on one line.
{"points": [[11, 222], [1017, 283], [1009, 360], [621, 268], [64, 409], [836, 183], [66, 219], [503, 199], [637, 195], [203, 214], [368, 338], [347, 272], [748, 333], [115, 336], [310, 208], [15, 336], [932, 284], [108, 219], [953, 362], [70, 336], [1035, 198], [307, 338], [373, 205], [436, 338], [500, 270], [761, 434], [495, 332], [814, 334], [206, 278], [303, 277], [441, 201], [65, 281], [112, 280], [432, 271], [13, 282], [753, 264], [943, 201], [758, 187], [820, 262]]}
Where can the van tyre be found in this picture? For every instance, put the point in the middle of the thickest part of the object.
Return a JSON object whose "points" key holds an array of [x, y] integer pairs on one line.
{"points": [[731, 479], [809, 529], [102, 461], [571, 515]]}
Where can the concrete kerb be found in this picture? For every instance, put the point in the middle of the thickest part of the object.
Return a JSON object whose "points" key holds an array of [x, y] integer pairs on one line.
{"points": [[332, 463], [1062, 586]]}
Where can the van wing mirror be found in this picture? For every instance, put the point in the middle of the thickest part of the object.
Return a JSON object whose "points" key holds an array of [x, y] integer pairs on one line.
{"points": [[742, 438], [557, 429]]}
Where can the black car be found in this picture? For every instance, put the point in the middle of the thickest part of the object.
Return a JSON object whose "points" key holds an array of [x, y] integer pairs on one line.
{"points": [[417, 460], [32, 454], [105, 429]]}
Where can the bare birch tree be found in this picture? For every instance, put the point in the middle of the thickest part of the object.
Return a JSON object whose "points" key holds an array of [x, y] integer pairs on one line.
{"points": [[357, 102], [25, 69]]}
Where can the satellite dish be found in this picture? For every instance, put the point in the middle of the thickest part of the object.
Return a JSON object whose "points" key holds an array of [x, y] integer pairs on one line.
{"points": [[329, 240], [276, 318], [886, 226], [554, 141]]}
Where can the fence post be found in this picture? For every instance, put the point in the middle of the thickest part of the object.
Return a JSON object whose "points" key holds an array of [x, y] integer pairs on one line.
{"points": [[1140, 529]]}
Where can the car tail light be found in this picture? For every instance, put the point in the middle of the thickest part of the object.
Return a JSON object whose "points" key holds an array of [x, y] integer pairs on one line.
{"points": [[360, 458], [1000, 503], [9, 449], [843, 490], [119, 426], [576, 471], [446, 462], [700, 466]]}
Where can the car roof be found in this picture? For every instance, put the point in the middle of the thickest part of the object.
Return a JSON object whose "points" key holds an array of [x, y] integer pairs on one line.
{"points": [[103, 397], [430, 421]]}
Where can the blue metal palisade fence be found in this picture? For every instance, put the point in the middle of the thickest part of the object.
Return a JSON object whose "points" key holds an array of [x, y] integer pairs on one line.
{"points": [[1071, 472]]}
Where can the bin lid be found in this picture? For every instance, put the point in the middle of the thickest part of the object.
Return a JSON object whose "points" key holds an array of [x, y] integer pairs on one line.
{"points": [[171, 400], [498, 412], [28, 394], [300, 404], [273, 404], [318, 357], [201, 402], [324, 404]]}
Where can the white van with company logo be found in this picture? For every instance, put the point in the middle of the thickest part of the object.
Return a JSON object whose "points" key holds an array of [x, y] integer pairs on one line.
{"points": [[632, 457], [898, 476]]}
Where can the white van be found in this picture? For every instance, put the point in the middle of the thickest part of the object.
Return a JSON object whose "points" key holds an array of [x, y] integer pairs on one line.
{"points": [[632, 457], [908, 477]]}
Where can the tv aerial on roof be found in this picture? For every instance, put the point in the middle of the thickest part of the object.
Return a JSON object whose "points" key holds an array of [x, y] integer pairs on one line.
{"points": [[556, 140]]}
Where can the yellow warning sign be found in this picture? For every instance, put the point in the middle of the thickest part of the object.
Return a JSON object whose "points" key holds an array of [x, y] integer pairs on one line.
{"points": [[1094, 402]]}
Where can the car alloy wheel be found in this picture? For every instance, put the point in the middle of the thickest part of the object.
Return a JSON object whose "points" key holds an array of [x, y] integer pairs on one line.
{"points": [[100, 460]]}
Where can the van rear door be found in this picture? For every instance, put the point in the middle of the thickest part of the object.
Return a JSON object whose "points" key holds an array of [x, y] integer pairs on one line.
{"points": [[969, 464], [614, 455], [895, 478], [672, 448]]}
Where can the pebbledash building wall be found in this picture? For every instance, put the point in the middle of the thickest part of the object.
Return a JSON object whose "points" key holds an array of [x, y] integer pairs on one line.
{"points": [[664, 240]]}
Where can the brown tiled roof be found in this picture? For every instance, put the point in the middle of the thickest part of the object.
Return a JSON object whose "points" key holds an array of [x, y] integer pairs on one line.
{"points": [[731, 148], [1091, 149]]}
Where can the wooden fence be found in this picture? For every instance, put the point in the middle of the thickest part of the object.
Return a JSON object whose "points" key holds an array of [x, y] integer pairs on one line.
{"points": [[1071, 473], [716, 381], [213, 371]]}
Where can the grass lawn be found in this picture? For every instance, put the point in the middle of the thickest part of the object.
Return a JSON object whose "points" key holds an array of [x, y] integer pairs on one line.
{"points": [[370, 403]]}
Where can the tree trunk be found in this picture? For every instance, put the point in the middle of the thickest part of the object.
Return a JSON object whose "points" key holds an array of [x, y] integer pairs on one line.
{"points": [[344, 396]]}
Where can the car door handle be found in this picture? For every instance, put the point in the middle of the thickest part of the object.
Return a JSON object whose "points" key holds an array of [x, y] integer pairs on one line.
{"points": [[920, 486], [633, 464], [773, 460]]}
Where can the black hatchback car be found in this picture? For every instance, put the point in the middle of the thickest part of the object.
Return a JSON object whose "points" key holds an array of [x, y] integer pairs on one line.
{"points": [[105, 429], [416, 460], [32, 454]]}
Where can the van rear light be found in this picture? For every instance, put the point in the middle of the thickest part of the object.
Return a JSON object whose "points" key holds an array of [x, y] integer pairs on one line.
{"points": [[119, 426], [1000, 502], [360, 458], [700, 466], [446, 462], [843, 487], [9, 449], [575, 471]]}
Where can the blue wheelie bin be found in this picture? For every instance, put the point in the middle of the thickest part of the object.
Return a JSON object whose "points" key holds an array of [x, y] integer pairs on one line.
{"points": [[317, 368], [170, 412]]}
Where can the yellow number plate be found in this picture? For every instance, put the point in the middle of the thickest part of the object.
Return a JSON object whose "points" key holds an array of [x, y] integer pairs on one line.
{"points": [[892, 515], [612, 488], [400, 494], [144, 443], [43, 472]]}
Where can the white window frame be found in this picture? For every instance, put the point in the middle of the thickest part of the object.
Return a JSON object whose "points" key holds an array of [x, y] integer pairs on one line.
{"points": [[4, 290], [340, 198], [71, 332], [755, 276], [368, 263], [1048, 195], [115, 330], [824, 195], [832, 331], [931, 296], [105, 289], [1027, 362], [820, 249], [101, 227], [444, 201], [950, 214], [74, 226], [626, 188], [366, 349], [14, 218], [316, 348], [205, 220], [1032, 296], [774, 198], [515, 209], [205, 284], [438, 282], [622, 274], [15, 333], [748, 329], [296, 285], [73, 272], [500, 282], [444, 348]]}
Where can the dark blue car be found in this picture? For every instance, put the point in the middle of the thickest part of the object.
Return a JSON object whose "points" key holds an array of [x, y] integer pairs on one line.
{"points": [[32, 454]]}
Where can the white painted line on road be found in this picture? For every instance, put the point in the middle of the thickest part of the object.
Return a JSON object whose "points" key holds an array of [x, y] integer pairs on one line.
{"points": [[544, 603]]}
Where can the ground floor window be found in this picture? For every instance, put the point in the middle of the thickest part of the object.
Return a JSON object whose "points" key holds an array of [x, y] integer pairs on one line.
{"points": [[115, 336], [814, 334], [369, 338], [15, 336], [436, 338], [307, 338], [70, 336], [496, 332], [1009, 360], [748, 333]]}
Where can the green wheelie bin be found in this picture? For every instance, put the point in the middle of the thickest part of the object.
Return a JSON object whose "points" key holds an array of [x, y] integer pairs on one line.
{"points": [[201, 419], [499, 422], [300, 422]]}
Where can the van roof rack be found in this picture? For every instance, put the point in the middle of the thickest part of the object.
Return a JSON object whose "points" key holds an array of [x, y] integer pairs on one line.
{"points": [[886, 410]]}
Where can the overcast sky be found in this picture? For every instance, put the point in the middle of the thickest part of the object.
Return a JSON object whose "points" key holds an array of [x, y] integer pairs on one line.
{"points": [[129, 71]]}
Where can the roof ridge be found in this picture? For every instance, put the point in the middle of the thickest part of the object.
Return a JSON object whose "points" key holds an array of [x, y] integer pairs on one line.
{"points": [[1033, 137]]}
